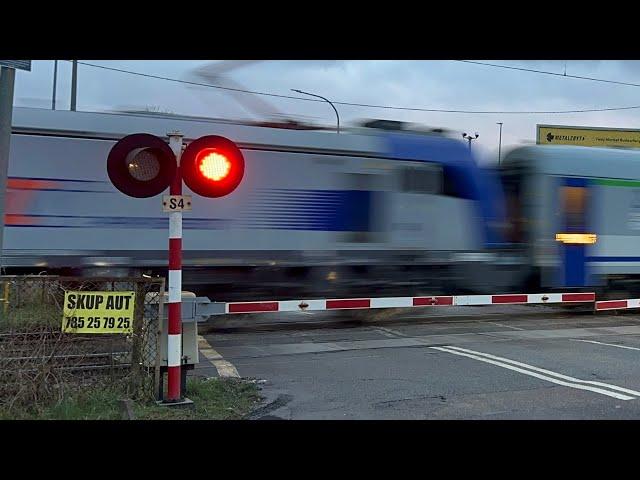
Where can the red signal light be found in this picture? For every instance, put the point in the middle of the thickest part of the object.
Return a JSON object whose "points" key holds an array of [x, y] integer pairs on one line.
{"points": [[212, 166]]}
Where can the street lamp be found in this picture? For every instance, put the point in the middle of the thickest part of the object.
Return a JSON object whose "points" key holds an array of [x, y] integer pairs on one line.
{"points": [[332, 106], [499, 141], [469, 138]]}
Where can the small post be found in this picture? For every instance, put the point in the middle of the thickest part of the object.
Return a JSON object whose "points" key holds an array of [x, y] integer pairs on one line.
{"points": [[5, 299], [7, 80], [126, 408], [174, 339]]}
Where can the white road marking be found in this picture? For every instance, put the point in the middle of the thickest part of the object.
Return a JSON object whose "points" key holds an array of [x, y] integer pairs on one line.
{"points": [[549, 372], [602, 343], [503, 325], [575, 383], [224, 367], [388, 332]]}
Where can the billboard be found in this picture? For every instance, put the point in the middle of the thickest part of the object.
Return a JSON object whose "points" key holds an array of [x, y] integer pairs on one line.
{"points": [[587, 136]]}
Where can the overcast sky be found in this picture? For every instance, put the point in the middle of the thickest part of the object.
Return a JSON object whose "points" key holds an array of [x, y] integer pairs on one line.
{"points": [[423, 84]]}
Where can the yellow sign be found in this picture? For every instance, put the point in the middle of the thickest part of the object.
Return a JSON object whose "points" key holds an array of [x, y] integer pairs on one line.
{"points": [[588, 137], [98, 312]]}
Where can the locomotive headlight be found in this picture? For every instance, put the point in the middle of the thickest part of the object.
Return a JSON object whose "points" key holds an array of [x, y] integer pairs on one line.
{"points": [[577, 238]]}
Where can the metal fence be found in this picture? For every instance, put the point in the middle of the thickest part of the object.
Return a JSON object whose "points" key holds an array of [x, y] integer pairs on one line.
{"points": [[39, 363]]}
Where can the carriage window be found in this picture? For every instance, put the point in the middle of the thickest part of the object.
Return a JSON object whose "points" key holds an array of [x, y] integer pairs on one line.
{"points": [[574, 202], [422, 179]]}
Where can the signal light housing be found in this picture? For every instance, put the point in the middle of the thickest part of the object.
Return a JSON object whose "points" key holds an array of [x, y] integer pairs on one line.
{"points": [[141, 165], [212, 166]]}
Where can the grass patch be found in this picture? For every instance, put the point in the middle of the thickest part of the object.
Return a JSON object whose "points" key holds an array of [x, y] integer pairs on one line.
{"points": [[95, 404], [214, 399]]}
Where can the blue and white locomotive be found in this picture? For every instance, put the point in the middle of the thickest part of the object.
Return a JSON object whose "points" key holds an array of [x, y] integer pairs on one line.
{"points": [[374, 210], [317, 213]]}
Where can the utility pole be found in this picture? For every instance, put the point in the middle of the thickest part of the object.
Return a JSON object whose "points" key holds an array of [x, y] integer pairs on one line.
{"points": [[7, 80], [55, 81], [74, 85], [499, 142]]}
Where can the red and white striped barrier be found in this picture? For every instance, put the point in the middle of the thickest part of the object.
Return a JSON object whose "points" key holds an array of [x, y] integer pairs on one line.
{"points": [[174, 340], [405, 302], [618, 304]]}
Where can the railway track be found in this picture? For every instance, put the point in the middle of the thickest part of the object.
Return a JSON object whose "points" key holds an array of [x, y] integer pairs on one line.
{"points": [[30, 351], [70, 363]]}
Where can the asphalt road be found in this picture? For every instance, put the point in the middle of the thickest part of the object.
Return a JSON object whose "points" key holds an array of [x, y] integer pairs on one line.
{"points": [[506, 366]]}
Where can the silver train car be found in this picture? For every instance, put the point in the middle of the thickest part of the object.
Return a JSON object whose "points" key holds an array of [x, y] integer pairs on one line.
{"points": [[317, 213], [576, 210]]}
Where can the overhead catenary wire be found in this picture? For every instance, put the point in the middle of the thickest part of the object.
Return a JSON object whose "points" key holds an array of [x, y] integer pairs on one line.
{"points": [[555, 74], [386, 107]]}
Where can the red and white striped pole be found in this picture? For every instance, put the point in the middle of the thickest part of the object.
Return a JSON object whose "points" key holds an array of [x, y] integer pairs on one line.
{"points": [[174, 341]]}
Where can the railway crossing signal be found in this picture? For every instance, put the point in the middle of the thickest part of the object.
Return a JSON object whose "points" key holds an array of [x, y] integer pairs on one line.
{"points": [[212, 166], [143, 165]]}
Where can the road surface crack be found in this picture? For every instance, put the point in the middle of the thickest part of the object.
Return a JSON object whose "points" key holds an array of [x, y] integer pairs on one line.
{"points": [[261, 412]]}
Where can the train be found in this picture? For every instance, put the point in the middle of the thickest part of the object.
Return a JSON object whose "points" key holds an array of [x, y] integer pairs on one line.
{"points": [[576, 212], [384, 207]]}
